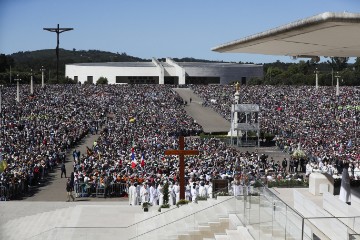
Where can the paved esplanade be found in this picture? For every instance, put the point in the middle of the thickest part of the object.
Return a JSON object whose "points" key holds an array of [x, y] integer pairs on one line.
{"points": [[210, 120]]}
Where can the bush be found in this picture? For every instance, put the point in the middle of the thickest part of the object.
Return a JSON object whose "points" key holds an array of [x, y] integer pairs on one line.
{"points": [[102, 80], [222, 194], [163, 206], [166, 193], [288, 183], [146, 205], [258, 184], [182, 202], [200, 198]]}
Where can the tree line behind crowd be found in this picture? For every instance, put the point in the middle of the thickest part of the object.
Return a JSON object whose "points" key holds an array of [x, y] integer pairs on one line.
{"points": [[276, 73]]}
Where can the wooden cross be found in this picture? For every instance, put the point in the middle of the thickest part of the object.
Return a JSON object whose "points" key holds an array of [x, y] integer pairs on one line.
{"points": [[181, 153]]}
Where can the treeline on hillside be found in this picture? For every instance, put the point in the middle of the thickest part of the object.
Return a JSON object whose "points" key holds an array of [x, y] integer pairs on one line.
{"points": [[304, 73], [277, 73], [22, 62]]}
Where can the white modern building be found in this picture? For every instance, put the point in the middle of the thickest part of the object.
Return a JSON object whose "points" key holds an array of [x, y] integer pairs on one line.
{"points": [[168, 72]]}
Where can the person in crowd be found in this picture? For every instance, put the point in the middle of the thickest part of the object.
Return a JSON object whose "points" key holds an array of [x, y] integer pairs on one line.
{"points": [[69, 190], [144, 193], [63, 170], [153, 194]]}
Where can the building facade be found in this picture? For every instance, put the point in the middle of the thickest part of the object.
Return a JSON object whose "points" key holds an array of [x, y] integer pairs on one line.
{"points": [[168, 72]]}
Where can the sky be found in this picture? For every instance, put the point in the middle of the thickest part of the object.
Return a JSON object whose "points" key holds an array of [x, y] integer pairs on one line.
{"points": [[153, 28]]}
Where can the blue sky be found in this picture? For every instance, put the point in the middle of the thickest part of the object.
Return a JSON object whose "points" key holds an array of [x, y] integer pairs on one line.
{"points": [[153, 28]]}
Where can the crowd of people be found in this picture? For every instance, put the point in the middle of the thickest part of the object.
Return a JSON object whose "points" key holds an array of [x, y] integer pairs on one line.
{"points": [[143, 122], [137, 123], [320, 123], [36, 132]]}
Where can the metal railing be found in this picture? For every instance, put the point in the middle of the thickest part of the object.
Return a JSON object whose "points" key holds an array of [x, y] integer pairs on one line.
{"points": [[97, 190], [14, 190]]}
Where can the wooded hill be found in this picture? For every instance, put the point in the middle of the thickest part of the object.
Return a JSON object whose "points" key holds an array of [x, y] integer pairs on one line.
{"points": [[22, 62], [277, 73]]}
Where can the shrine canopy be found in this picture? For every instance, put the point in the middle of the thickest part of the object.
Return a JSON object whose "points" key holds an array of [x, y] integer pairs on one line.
{"points": [[327, 34]]}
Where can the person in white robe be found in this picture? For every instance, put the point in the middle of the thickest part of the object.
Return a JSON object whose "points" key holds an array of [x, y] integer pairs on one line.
{"points": [[176, 189], [237, 188], [135, 196], [207, 189], [210, 190], [144, 193], [194, 193], [171, 194], [202, 190], [153, 195], [132, 195], [345, 191], [308, 169], [357, 171], [188, 192]]}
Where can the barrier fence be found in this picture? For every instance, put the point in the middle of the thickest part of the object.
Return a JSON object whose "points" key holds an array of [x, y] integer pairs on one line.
{"points": [[97, 190], [20, 189], [13, 191]]}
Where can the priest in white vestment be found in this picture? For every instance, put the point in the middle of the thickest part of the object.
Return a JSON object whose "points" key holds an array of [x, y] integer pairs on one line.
{"points": [[345, 192]]}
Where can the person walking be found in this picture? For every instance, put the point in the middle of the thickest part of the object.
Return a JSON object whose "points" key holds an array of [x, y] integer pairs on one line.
{"points": [[69, 189], [63, 170], [284, 164]]}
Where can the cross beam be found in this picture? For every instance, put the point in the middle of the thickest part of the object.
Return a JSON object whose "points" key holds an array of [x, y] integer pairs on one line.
{"points": [[181, 153], [58, 30]]}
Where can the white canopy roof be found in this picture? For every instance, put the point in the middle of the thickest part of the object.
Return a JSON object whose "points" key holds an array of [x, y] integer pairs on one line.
{"points": [[326, 34]]}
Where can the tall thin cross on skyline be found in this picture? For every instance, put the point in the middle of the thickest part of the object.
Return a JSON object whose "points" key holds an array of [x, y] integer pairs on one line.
{"points": [[181, 153], [58, 30]]}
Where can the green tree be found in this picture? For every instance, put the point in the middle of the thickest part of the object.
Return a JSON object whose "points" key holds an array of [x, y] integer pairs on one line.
{"points": [[102, 80], [5, 62], [255, 81], [272, 73], [166, 193], [293, 69], [338, 63]]}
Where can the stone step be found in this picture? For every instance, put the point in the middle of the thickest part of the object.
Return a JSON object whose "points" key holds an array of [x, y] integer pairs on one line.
{"points": [[241, 233], [221, 237]]}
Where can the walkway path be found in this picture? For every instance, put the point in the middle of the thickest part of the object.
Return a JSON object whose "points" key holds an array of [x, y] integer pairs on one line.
{"points": [[54, 188], [211, 121]]}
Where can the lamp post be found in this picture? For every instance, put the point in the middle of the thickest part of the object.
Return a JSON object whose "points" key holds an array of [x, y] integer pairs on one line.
{"points": [[31, 83], [337, 84], [316, 79], [17, 88], [355, 130], [42, 76], [1, 86]]}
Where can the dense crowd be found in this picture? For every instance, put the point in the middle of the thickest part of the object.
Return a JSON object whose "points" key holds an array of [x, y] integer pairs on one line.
{"points": [[322, 124], [143, 123], [137, 123], [37, 131]]}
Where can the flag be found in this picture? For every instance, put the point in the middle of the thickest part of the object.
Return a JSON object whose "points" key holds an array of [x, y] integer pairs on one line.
{"points": [[133, 159], [142, 160], [3, 164], [349, 145]]}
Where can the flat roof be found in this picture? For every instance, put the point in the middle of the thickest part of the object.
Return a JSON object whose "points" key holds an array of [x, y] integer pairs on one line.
{"points": [[165, 64], [116, 64], [326, 34], [210, 64]]}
